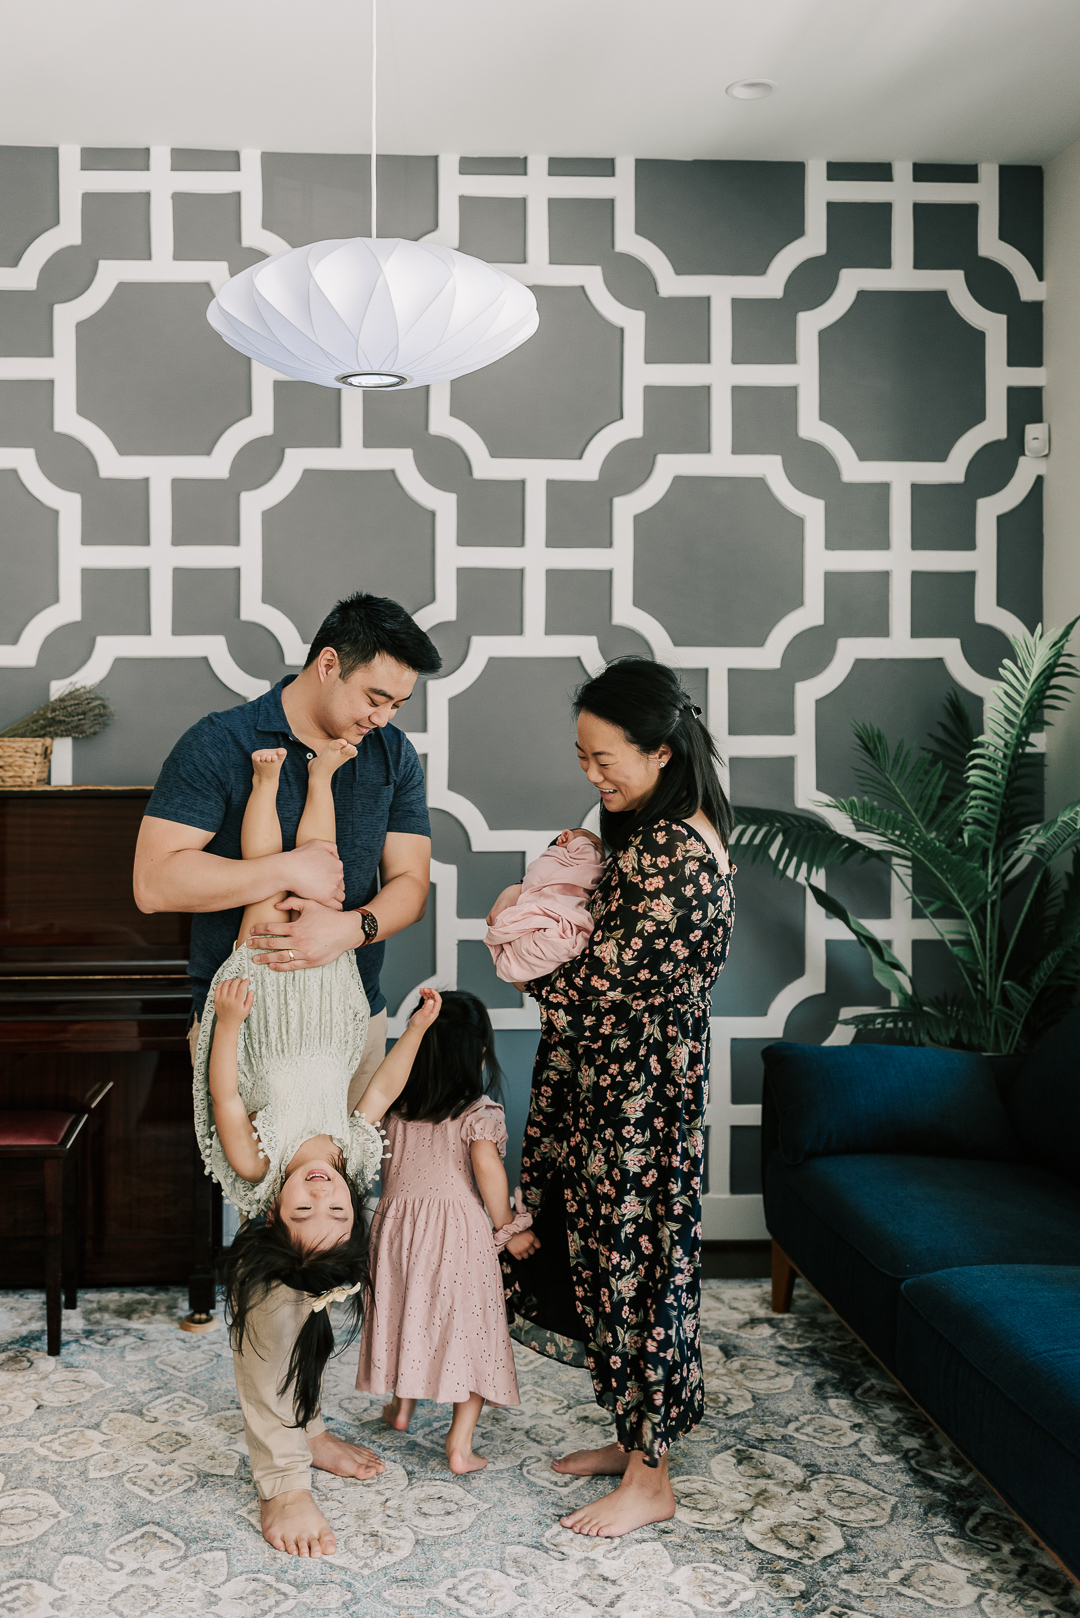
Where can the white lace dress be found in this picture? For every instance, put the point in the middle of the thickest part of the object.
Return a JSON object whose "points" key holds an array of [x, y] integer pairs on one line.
{"points": [[296, 1053]]}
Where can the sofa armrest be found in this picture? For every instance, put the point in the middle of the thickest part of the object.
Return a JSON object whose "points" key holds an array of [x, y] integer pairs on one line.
{"points": [[831, 1100]]}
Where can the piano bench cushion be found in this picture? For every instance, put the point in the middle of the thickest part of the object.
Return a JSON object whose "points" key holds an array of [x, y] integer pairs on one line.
{"points": [[26, 1128]]}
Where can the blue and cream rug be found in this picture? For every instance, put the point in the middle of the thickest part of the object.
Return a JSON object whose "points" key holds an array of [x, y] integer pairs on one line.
{"points": [[812, 1488]]}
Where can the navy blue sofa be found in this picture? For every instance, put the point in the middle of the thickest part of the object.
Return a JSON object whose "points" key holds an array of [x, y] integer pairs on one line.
{"points": [[932, 1198]]}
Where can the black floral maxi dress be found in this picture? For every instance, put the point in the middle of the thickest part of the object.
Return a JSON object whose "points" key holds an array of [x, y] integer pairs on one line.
{"points": [[614, 1144]]}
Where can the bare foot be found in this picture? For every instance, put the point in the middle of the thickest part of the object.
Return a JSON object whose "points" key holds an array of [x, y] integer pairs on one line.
{"points": [[293, 1523], [461, 1457], [459, 1450], [332, 757], [611, 1461], [398, 1413], [644, 1496], [332, 1454], [266, 766]]}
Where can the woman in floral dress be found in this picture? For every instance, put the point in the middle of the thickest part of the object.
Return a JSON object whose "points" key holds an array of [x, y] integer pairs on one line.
{"points": [[614, 1145]]}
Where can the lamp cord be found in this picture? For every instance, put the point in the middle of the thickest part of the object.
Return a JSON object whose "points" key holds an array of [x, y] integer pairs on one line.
{"points": [[373, 62]]}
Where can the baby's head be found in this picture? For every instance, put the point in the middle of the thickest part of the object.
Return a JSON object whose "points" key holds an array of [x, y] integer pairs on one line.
{"points": [[455, 1064]]}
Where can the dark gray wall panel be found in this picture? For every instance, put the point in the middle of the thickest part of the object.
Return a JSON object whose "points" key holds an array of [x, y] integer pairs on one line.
{"points": [[344, 531], [903, 376], [30, 188], [720, 218]]}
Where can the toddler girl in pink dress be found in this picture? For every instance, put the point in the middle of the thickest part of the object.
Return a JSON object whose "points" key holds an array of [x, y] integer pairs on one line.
{"points": [[436, 1327], [550, 921]]}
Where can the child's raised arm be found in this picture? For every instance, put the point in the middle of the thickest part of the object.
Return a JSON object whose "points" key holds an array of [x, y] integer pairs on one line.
{"points": [[393, 1071], [232, 1002]]}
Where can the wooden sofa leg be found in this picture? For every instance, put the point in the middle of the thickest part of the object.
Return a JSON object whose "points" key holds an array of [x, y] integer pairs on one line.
{"points": [[783, 1280]]}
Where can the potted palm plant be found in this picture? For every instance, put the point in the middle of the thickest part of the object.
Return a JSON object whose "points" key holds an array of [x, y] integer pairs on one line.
{"points": [[960, 823]]}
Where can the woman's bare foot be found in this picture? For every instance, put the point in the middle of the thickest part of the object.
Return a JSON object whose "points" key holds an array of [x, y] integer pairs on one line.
{"points": [[266, 766], [332, 757], [644, 1496], [459, 1450], [293, 1523], [332, 1454], [611, 1461], [398, 1413]]}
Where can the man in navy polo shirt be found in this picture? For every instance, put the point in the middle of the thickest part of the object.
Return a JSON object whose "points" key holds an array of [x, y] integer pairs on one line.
{"points": [[361, 667]]}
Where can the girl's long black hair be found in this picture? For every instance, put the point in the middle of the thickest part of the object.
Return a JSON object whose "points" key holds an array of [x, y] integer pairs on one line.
{"points": [[265, 1253], [455, 1064], [648, 704]]}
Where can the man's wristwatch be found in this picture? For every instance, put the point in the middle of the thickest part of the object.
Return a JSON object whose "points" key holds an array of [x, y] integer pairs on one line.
{"points": [[370, 925]]}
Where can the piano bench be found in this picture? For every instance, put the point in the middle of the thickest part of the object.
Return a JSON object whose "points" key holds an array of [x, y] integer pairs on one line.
{"points": [[55, 1140]]}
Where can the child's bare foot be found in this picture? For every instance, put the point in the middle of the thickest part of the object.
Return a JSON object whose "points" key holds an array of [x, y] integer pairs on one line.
{"points": [[459, 1450], [293, 1523], [398, 1413], [266, 766], [460, 1456], [332, 1454], [332, 757]]}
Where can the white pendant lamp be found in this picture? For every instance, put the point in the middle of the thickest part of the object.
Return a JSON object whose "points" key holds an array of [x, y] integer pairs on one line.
{"points": [[374, 312]]}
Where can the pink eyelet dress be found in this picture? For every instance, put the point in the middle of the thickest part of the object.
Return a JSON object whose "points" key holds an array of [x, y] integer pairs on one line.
{"points": [[436, 1327]]}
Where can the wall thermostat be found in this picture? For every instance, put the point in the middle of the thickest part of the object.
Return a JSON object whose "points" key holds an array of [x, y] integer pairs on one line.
{"points": [[1037, 438]]}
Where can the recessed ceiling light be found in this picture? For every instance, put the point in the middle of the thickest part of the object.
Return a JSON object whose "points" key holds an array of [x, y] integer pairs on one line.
{"points": [[750, 89]]}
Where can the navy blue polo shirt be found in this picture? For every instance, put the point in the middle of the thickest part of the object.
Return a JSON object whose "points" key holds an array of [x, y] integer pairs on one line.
{"points": [[206, 782]]}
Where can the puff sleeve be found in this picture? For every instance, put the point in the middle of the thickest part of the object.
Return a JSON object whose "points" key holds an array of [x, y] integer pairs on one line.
{"points": [[485, 1121]]}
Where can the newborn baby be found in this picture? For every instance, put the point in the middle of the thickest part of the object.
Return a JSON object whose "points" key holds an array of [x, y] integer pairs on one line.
{"points": [[549, 923]]}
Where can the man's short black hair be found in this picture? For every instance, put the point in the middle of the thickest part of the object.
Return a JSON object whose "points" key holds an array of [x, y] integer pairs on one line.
{"points": [[363, 626]]}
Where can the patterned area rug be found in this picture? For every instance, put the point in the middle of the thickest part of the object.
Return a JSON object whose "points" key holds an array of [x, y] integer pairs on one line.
{"points": [[812, 1487]]}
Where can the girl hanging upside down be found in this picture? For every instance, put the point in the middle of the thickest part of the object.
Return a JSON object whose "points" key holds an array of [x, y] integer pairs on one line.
{"points": [[275, 1055]]}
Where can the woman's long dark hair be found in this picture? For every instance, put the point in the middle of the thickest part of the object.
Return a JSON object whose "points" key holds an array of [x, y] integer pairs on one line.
{"points": [[455, 1064], [648, 704], [265, 1253]]}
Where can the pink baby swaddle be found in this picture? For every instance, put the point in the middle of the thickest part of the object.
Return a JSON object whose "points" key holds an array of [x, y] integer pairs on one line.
{"points": [[550, 922]]}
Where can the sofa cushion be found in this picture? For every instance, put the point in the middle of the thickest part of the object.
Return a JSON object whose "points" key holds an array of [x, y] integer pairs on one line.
{"points": [[1043, 1099], [858, 1226], [992, 1353], [886, 1098]]}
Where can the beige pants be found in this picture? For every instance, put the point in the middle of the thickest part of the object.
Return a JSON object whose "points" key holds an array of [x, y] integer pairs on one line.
{"points": [[280, 1457]]}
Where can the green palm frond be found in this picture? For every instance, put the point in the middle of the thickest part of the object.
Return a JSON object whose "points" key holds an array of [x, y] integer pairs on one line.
{"points": [[1034, 682], [951, 743], [912, 782], [883, 963], [794, 844], [953, 877]]}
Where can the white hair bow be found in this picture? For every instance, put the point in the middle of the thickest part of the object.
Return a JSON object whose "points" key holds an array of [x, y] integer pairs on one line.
{"points": [[335, 1295]]}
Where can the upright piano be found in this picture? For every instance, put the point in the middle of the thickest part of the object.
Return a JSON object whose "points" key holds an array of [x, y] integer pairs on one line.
{"points": [[90, 988]]}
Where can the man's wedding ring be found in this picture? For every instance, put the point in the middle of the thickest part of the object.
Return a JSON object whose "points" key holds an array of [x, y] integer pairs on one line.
{"points": [[292, 957]]}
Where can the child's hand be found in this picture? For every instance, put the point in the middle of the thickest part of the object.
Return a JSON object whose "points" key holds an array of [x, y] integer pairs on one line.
{"points": [[425, 1014], [232, 1001], [523, 1245]]}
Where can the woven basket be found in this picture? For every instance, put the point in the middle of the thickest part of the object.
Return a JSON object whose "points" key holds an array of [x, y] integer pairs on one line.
{"points": [[24, 760]]}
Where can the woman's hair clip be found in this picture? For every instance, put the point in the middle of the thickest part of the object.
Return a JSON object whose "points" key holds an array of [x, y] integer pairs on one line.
{"points": [[692, 707]]}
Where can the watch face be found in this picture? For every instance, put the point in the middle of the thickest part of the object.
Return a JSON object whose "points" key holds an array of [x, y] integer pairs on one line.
{"points": [[371, 925]]}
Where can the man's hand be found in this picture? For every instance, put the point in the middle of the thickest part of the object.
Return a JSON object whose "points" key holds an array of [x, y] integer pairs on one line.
{"points": [[315, 872], [317, 936], [508, 896]]}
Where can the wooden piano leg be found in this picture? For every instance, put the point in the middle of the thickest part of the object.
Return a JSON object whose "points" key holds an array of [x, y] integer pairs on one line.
{"points": [[783, 1280], [72, 1166], [202, 1278], [54, 1224]]}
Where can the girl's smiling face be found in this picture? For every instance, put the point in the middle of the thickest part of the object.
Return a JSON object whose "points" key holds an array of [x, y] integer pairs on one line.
{"points": [[316, 1206], [624, 776]]}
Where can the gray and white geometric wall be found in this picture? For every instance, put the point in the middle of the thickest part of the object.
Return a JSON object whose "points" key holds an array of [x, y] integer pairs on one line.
{"points": [[770, 429]]}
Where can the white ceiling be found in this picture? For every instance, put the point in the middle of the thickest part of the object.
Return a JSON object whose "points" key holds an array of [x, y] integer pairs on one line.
{"points": [[944, 80]]}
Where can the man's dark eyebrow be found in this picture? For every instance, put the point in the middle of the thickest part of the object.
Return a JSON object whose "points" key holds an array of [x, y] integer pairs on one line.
{"points": [[373, 691]]}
